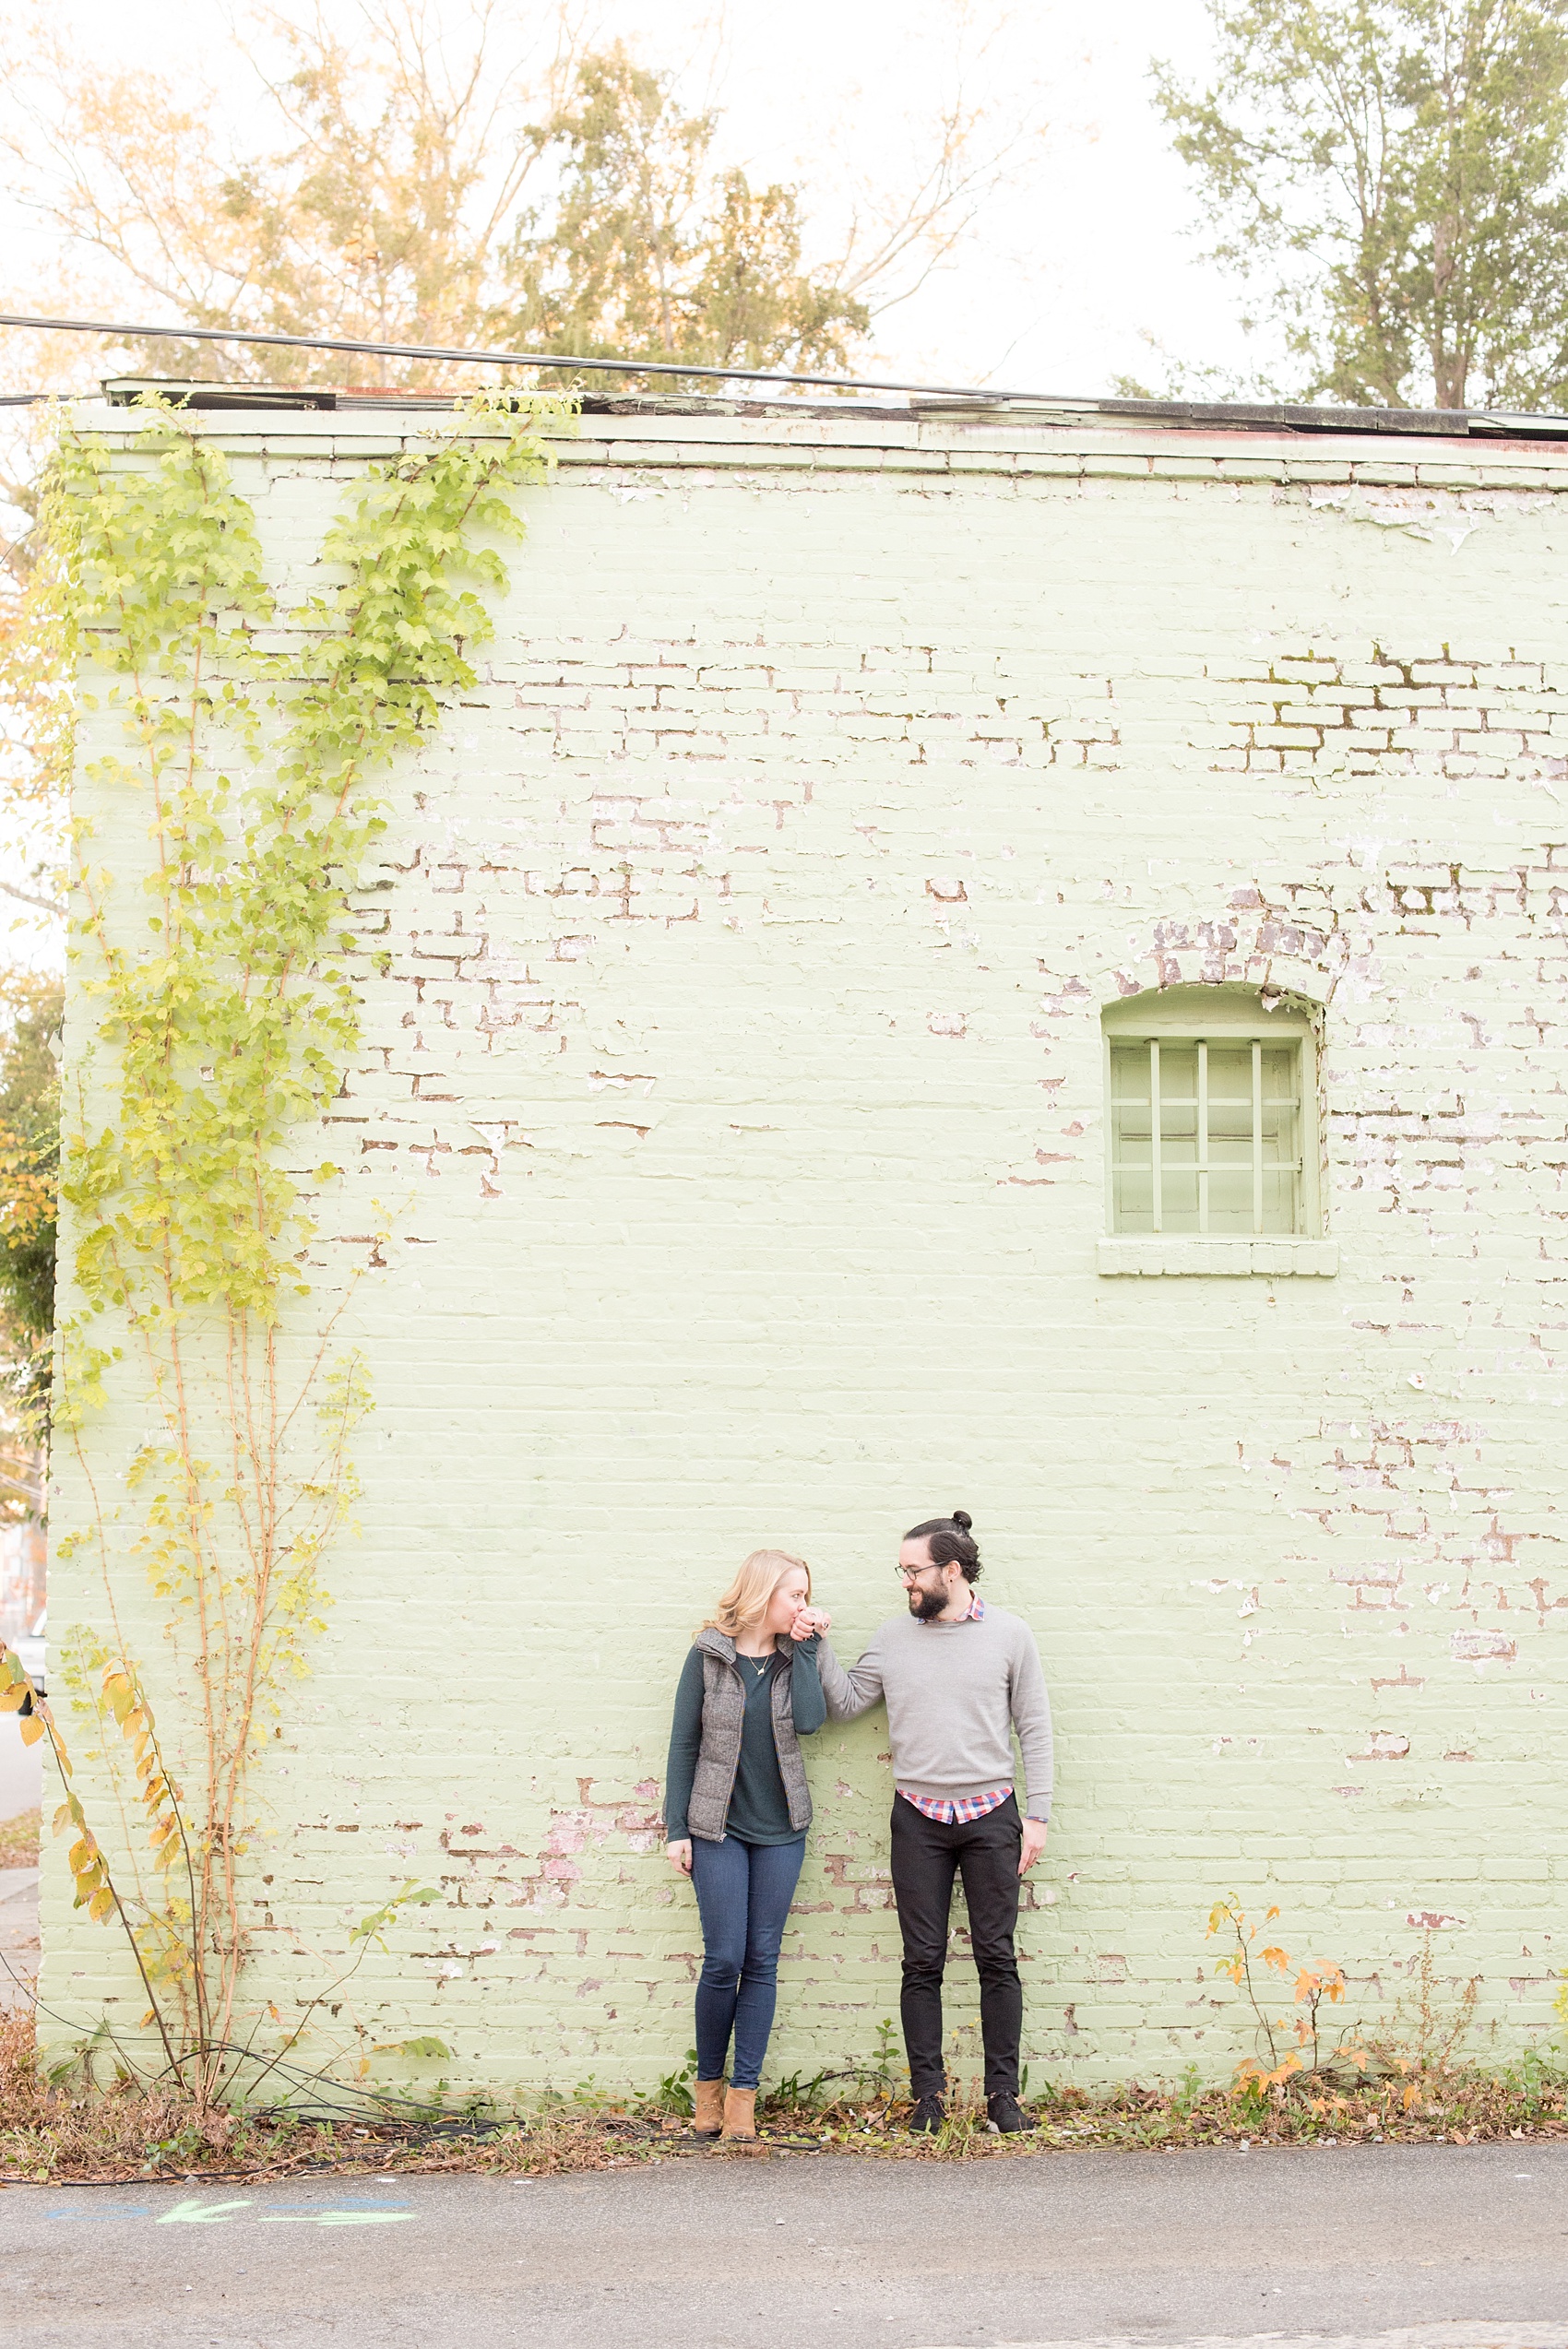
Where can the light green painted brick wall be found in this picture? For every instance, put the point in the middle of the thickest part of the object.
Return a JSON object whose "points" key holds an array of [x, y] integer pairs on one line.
{"points": [[736, 1091]]}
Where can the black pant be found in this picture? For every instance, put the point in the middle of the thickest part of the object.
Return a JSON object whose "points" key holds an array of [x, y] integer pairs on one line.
{"points": [[925, 1854]]}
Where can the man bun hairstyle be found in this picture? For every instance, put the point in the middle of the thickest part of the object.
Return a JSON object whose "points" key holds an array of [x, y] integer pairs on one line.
{"points": [[950, 1542]]}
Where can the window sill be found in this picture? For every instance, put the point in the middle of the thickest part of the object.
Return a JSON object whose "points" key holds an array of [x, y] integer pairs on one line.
{"points": [[1194, 1252]]}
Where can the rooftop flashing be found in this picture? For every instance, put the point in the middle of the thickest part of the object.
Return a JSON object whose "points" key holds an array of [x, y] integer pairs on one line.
{"points": [[1445, 423], [1278, 419], [123, 391]]}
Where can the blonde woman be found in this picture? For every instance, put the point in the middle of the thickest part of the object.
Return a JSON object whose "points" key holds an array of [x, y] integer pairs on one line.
{"points": [[736, 1810]]}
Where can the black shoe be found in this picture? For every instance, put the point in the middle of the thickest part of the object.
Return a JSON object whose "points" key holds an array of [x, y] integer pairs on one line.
{"points": [[1007, 2116], [927, 2117]]}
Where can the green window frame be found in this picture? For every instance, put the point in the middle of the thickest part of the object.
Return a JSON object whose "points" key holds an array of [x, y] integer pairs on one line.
{"points": [[1212, 1129]]}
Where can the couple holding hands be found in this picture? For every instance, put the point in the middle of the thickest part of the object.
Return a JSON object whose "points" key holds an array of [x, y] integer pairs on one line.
{"points": [[958, 1677]]}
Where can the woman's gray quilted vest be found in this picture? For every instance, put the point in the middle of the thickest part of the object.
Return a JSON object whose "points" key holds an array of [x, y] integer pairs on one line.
{"points": [[723, 1715]]}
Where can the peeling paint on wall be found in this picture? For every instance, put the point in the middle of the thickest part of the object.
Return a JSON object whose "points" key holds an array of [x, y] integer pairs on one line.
{"points": [[735, 1097]]}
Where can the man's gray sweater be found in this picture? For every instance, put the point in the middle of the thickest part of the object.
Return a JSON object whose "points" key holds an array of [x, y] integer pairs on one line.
{"points": [[954, 1692]]}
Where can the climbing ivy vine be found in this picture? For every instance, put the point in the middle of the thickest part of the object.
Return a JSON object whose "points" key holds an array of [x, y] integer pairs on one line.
{"points": [[250, 746]]}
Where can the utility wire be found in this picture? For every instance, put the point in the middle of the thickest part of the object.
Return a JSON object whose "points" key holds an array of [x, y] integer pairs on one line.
{"points": [[1289, 416], [502, 358]]}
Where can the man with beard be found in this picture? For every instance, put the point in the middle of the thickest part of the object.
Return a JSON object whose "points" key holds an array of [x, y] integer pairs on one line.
{"points": [[958, 1677]]}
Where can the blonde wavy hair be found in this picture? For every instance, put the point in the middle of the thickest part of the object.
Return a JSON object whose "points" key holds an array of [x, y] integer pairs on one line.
{"points": [[746, 1600]]}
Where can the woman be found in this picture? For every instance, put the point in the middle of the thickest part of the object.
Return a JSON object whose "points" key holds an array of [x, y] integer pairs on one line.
{"points": [[736, 1810]]}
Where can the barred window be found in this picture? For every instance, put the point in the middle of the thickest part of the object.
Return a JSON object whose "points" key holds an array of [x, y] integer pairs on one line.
{"points": [[1211, 1131]]}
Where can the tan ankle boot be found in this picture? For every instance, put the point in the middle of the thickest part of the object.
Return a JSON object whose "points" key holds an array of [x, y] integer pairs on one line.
{"points": [[707, 2098], [740, 2114]]}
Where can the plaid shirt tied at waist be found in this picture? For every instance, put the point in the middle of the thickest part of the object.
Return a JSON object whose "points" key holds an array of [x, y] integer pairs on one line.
{"points": [[958, 1812]]}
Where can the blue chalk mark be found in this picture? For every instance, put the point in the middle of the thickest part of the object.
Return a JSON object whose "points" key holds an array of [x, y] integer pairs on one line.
{"points": [[194, 2213], [102, 2218]]}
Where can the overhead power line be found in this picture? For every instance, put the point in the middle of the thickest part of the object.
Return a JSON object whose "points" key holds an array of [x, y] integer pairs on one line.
{"points": [[502, 358], [1288, 416]]}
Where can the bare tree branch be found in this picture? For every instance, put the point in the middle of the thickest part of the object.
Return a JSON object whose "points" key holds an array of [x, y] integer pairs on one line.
{"points": [[26, 897], [967, 152]]}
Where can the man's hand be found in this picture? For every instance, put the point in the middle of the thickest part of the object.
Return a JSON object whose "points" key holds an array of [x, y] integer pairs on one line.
{"points": [[808, 1622], [1035, 1832], [680, 1854]]}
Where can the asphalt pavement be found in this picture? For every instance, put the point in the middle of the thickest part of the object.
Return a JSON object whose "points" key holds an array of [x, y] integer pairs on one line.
{"points": [[19, 1937], [21, 1778], [1404, 2247], [21, 1770]]}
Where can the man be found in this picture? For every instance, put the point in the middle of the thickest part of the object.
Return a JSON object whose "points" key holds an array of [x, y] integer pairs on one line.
{"points": [[960, 1677]]}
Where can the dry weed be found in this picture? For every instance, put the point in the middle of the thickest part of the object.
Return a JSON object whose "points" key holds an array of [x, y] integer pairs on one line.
{"points": [[80, 2131]]}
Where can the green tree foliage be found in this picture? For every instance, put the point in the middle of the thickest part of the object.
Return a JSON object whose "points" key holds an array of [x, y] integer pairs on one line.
{"points": [[37, 712], [36, 717], [29, 1176], [433, 183], [651, 250], [1392, 172]]}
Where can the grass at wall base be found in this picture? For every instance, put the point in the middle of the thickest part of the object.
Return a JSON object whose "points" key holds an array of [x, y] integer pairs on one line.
{"points": [[67, 2131], [218, 992], [1412, 2081]]}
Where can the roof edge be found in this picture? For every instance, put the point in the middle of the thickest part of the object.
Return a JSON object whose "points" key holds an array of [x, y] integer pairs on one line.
{"points": [[1239, 416]]}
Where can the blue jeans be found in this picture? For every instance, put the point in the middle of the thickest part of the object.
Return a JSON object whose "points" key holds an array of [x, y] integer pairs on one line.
{"points": [[744, 1894]]}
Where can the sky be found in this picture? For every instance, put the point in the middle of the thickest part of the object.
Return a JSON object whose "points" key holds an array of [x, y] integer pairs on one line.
{"points": [[1097, 248], [1091, 249], [1084, 256]]}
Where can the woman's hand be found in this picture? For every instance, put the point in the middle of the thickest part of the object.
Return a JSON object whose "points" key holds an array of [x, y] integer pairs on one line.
{"points": [[680, 1854], [809, 1622]]}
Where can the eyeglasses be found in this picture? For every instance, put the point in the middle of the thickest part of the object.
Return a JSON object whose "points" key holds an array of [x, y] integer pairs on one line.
{"points": [[913, 1573]]}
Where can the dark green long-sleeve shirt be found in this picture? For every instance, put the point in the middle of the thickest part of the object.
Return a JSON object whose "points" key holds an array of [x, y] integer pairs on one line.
{"points": [[759, 1808]]}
